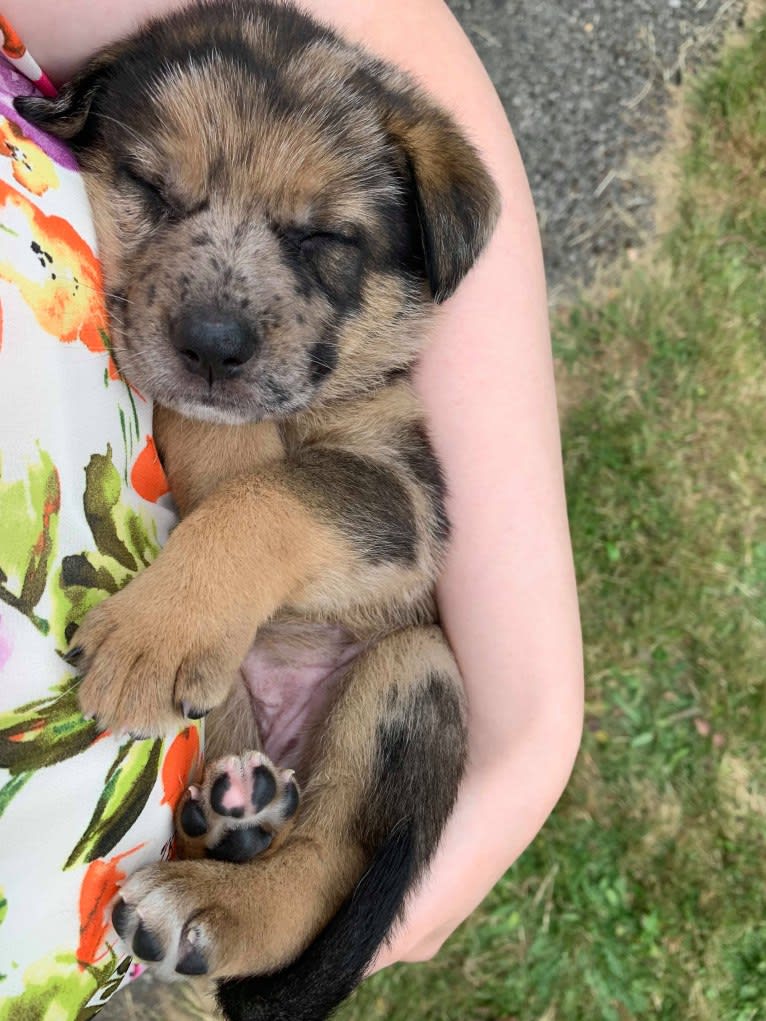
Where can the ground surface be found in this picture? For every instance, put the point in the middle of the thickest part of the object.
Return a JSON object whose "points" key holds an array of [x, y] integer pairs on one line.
{"points": [[586, 84]]}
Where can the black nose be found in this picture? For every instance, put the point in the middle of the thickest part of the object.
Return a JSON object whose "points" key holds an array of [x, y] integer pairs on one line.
{"points": [[214, 347]]}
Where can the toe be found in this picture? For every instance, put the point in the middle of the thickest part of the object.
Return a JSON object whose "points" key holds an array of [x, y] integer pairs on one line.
{"points": [[194, 962], [291, 796], [264, 787], [147, 945], [226, 797], [193, 821], [123, 918], [241, 845]]}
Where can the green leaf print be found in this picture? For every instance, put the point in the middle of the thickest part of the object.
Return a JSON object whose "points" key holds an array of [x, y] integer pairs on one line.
{"points": [[3, 913], [130, 427], [29, 512], [52, 729], [41, 733], [128, 785], [117, 530], [10, 789], [56, 989], [116, 980], [124, 544], [45, 731]]}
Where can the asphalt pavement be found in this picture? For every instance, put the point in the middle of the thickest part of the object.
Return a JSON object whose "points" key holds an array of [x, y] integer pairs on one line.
{"points": [[587, 85]]}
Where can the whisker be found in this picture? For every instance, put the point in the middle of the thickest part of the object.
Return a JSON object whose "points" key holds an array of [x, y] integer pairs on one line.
{"points": [[120, 124], [109, 294], [119, 297], [323, 365]]}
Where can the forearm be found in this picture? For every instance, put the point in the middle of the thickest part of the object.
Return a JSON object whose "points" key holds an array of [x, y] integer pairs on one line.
{"points": [[500, 810]]}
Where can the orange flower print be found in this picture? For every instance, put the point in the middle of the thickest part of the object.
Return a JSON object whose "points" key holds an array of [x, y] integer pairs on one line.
{"points": [[181, 764], [147, 476], [32, 168], [98, 890], [12, 44], [56, 272]]}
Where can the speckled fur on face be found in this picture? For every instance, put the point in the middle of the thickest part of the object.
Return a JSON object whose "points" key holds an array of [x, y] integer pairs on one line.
{"points": [[272, 218]]}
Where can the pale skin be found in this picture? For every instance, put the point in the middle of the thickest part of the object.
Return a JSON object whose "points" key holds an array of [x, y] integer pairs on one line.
{"points": [[507, 597]]}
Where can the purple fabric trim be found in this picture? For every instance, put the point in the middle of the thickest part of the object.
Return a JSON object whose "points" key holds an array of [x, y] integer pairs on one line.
{"points": [[13, 84]]}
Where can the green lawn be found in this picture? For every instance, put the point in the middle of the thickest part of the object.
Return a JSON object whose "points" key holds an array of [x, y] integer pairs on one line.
{"points": [[645, 896]]}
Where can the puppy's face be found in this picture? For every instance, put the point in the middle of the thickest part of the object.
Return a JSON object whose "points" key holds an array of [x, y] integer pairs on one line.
{"points": [[275, 211], [242, 237]]}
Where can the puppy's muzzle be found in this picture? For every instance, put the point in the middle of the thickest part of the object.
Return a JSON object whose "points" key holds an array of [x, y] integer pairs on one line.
{"points": [[213, 346]]}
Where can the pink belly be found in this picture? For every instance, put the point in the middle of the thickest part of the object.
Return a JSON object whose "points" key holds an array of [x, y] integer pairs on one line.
{"points": [[292, 673]]}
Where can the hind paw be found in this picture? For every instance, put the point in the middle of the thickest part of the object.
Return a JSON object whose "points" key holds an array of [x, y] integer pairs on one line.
{"points": [[244, 806]]}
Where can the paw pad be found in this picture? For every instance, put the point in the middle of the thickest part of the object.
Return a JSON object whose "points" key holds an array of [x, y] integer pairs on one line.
{"points": [[243, 803]]}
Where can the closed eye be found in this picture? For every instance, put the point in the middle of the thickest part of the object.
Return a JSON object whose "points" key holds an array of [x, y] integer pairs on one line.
{"points": [[310, 237], [151, 191]]}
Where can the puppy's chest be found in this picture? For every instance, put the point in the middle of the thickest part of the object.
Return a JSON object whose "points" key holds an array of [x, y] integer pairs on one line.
{"points": [[198, 457]]}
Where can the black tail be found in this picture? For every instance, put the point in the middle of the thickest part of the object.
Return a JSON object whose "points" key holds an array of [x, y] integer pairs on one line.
{"points": [[316, 983]]}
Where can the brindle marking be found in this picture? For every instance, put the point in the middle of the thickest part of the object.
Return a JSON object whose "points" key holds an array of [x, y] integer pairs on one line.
{"points": [[278, 213]]}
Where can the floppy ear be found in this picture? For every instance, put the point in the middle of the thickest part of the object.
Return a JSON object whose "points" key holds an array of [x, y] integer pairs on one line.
{"points": [[65, 116], [456, 200]]}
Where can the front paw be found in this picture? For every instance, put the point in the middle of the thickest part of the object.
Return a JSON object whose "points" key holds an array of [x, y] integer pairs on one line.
{"points": [[149, 657]]}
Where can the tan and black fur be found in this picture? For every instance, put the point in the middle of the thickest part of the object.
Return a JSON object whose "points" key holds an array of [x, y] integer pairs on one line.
{"points": [[278, 213]]}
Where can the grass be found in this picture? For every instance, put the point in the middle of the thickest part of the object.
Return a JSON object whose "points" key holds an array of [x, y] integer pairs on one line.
{"points": [[645, 895]]}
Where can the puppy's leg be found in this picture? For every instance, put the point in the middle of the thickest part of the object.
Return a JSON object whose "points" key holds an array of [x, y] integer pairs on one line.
{"points": [[324, 533], [384, 775], [171, 642]]}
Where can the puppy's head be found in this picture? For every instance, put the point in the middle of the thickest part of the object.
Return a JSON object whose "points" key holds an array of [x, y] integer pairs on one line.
{"points": [[275, 210]]}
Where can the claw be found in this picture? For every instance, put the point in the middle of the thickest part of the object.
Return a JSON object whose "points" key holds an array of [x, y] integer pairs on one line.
{"points": [[72, 656], [190, 713]]}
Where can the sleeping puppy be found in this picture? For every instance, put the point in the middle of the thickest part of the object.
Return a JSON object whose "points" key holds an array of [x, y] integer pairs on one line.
{"points": [[278, 214]]}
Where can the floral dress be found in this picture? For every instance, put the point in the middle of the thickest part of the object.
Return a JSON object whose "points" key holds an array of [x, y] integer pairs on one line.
{"points": [[83, 506]]}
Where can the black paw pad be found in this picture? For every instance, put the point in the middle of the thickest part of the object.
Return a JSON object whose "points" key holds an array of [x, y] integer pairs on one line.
{"points": [[291, 800], [241, 845], [264, 787], [217, 794], [146, 945], [122, 916], [193, 819], [192, 963]]}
